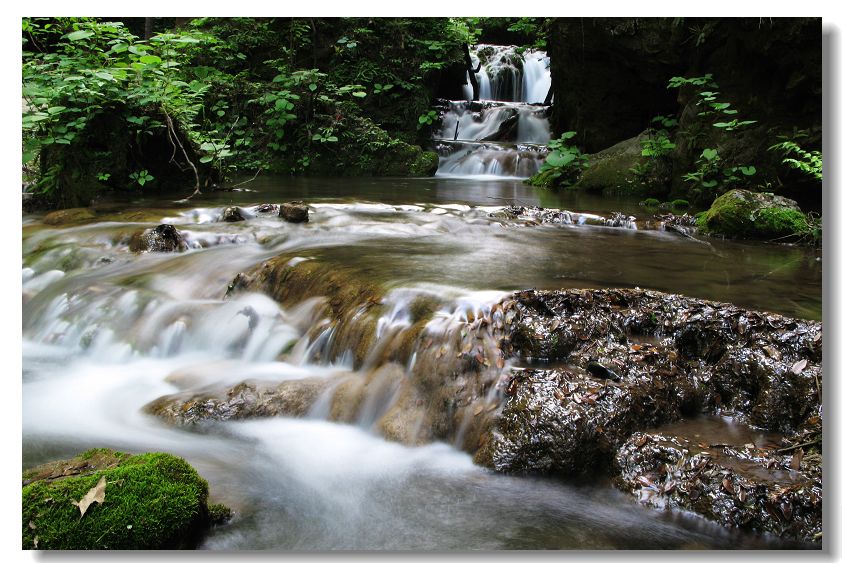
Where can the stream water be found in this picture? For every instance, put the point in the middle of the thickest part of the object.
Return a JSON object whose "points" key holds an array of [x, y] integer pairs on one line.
{"points": [[105, 331]]}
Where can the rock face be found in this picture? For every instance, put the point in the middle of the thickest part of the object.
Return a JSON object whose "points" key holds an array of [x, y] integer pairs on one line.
{"points": [[610, 74], [150, 501], [745, 214], [163, 238], [294, 212]]}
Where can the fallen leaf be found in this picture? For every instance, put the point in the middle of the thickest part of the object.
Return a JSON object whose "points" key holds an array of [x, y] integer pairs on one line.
{"points": [[96, 494], [500, 362], [726, 484], [796, 459], [799, 366], [32, 525], [35, 542]]}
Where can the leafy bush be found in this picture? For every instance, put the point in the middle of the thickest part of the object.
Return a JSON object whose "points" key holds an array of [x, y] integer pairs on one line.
{"points": [[563, 165]]}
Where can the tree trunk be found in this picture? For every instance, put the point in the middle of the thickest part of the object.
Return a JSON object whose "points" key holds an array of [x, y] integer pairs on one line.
{"points": [[549, 99], [472, 76], [147, 28]]}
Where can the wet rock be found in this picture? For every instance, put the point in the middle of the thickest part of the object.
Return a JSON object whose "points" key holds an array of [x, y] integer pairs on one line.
{"points": [[672, 356], [294, 212], [736, 485], [267, 208], [69, 216], [232, 215], [249, 399], [531, 216], [163, 238], [745, 214]]}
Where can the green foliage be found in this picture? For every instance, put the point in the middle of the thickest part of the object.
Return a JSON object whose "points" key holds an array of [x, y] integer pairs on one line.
{"points": [[141, 177], [807, 162], [563, 165], [679, 81], [152, 501], [427, 119]]}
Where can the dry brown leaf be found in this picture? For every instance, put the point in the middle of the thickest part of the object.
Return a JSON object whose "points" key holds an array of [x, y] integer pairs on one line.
{"points": [[796, 459], [500, 362], [799, 366], [96, 494]]}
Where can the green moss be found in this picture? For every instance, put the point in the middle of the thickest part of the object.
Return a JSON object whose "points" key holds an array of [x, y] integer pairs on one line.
{"points": [[152, 501], [780, 222], [651, 202], [744, 214], [680, 204]]}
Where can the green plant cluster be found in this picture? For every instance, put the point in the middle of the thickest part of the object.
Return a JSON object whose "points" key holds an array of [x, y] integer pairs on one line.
{"points": [[564, 164], [220, 97]]}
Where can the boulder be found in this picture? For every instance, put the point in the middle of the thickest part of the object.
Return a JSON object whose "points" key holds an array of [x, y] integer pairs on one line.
{"points": [[294, 212], [69, 216], [163, 238], [610, 168], [753, 215], [232, 215], [148, 501]]}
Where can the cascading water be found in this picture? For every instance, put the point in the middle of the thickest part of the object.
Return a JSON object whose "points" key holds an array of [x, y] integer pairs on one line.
{"points": [[505, 133]]}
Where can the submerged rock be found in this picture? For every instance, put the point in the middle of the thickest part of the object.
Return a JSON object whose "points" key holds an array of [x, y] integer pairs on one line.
{"points": [[294, 212], [735, 484], [147, 501], [163, 238], [69, 216], [250, 399], [752, 215], [267, 208]]}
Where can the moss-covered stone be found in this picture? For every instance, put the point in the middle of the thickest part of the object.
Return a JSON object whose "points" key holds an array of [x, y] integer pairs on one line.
{"points": [[69, 216], [611, 167], [750, 215], [152, 501]]}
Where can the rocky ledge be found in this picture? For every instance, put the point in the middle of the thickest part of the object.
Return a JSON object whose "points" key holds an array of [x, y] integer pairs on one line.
{"points": [[563, 383]]}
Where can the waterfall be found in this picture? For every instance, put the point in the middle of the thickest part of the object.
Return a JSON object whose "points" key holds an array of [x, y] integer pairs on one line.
{"points": [[506, 132]]}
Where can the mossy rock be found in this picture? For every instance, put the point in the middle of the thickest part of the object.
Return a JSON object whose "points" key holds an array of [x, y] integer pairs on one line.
{"points": [[750, 215], [611, 168], [69, 216], [151, 501]]}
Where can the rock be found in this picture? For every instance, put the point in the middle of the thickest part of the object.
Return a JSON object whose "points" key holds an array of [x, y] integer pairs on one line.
{"points": [[610, 168], [249, 399], [69, 216], [734, 484], [151, 501], [294, 212], [753, 215], [705, 358], [163, 238], [267, 208], [232, 215]]}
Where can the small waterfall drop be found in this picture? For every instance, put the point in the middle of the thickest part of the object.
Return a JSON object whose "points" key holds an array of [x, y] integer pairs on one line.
{"points": [[506, 132]]}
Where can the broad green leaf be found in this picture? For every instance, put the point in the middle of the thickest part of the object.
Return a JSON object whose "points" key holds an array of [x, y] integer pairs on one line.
{"points": [[560, 159], [313, 87], [748, 170], [332, 139], [150, 59], [205, 159], [359, 94], [79, 35], [104, 75], [56, 109], [709, 154]]}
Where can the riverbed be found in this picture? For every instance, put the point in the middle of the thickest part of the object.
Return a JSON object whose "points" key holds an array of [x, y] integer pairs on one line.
{"points": [[106, 331]]}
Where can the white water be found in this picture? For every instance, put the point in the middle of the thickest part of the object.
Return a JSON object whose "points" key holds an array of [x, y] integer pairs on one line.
{"points": [[106, 331], [509, 83]]}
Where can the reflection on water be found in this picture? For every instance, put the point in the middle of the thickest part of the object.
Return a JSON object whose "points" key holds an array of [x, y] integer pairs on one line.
{"points": [[106, 331]]}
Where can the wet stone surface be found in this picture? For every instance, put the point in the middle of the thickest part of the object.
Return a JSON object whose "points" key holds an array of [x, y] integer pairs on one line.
{"points": [[294, 212], [163, 238], [736, 485]]}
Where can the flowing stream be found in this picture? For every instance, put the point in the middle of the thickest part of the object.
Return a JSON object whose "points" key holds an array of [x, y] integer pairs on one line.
{"points": [[106, 331]]}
